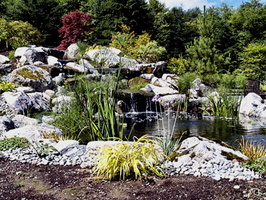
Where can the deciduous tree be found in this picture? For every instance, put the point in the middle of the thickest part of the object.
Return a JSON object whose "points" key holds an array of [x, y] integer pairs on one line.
{"points": [[75, 26]]}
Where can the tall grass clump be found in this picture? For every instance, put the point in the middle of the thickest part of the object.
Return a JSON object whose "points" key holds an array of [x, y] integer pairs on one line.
{"points": [[251, 150], [124, 160], [91, 114], [223, 104]]}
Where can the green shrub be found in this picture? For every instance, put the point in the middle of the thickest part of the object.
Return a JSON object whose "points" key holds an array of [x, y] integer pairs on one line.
{"points": [[178, 66], [11, 55], [185, 82], [7, 86], [13, 143], [123, 160], [151, 52]]}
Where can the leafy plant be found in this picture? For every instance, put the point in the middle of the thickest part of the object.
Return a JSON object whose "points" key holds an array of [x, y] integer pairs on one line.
{"points": [[43, 150], [257, 165], [123, 160], [7, 86], [251, 150], [13, 143]]}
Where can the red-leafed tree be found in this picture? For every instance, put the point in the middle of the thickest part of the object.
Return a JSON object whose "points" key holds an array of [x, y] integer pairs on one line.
{"points": [[75, 26]]}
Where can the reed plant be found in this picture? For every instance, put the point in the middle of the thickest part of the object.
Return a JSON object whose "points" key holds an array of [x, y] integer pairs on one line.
{"points": [[223, 105], [91, 114]]}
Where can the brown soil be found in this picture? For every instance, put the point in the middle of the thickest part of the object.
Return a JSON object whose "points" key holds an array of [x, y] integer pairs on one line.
{"points": [[27, 181]]}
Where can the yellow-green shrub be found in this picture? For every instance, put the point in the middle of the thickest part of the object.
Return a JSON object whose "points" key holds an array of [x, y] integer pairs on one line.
{"points": [[6, 86], [125, 159]]}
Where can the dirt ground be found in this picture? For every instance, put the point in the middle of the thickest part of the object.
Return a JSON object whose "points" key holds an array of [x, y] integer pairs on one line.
{"points": [[26, 181]]}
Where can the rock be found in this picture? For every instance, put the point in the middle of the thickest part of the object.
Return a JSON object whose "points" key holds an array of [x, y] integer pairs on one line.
{"points": [[160, 90], [6, 123], [172, 101], [32, 133], [21, 120], [19, 52], [87, 65], [4, 59], [59, 80], [160, 68], [72, 52], [253, 106], [202, 149], [63, 146], [147, 76], [21, 103], [35, 54], [199, 89], [53, 61], [32, 76], [76, 67], [5, 68]]}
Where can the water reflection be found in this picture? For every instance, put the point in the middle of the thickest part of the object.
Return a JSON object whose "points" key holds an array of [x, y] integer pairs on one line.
{"points": [[229, 131]]}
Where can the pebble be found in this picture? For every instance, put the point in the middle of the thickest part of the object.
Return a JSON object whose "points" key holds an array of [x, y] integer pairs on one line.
{"points": [[225, 169]]}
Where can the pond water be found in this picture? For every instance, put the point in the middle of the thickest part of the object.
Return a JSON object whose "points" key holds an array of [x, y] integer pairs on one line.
{"points": [[229, 131]]}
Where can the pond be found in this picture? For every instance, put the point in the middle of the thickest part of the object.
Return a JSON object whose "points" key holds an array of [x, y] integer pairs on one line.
{"points": [[229, 131]]}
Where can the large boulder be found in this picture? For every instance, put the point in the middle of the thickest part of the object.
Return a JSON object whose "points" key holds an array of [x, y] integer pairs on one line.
{"points": [[253, 105], [4, 59], [22, 103], [35, 77], [160, 68], [33, 133], [109, 57], [74, 67], [160, 90], [72, 52]]}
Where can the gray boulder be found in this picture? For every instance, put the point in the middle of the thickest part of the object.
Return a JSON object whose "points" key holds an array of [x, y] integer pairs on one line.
{"points": [[4, 59], [202, 150], [72, 52], [253, 105], [160, 68], [22, 103], [6, 124], [33, 133], [32, 76]]}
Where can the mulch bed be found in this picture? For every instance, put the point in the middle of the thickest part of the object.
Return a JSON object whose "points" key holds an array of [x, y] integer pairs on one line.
{"points": [[27, 181]]}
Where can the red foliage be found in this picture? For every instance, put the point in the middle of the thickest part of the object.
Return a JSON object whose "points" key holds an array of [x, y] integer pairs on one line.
{"points": [[75, 25]]}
